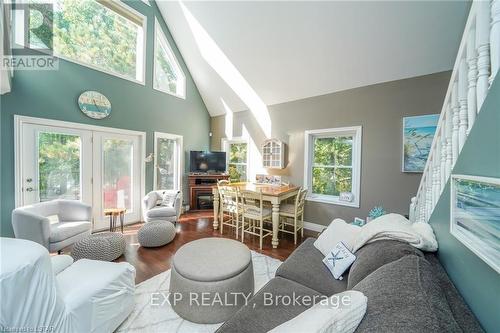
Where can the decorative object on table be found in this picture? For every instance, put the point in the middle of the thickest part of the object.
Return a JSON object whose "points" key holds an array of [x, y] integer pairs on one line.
{"points": [[418, 133], [156, 233], [346, 196], [105, 246], [222, 266], [94, 104], [475, 216], [376, 211], [268, 180], [273, 154], [113, 213], [338, 260], [359, 222]]}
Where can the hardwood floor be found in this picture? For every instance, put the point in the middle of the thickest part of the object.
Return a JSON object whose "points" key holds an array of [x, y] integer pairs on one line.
{"points": [[152, 261]]}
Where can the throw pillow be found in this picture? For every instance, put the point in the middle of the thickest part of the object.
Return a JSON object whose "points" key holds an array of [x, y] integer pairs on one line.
{"points": [[339, 260], [338, 231], [340, 313], [168, 199]]}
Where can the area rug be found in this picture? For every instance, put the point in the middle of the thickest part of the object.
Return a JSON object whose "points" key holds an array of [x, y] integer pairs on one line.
{"points": [[149, 316]]}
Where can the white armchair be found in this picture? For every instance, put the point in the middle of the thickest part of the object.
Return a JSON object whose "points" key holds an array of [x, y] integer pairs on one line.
{"points": [[152, 211], [32, 223], [61, 296]]}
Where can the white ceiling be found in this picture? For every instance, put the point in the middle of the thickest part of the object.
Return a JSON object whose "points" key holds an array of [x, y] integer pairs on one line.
{"points": [[284, 51]]}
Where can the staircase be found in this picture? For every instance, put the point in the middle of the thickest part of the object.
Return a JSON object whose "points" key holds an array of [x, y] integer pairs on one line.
{"points": [[477, 63]]}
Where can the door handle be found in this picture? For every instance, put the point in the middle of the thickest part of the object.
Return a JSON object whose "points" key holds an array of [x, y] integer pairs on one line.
{"points": [[29, 189]]}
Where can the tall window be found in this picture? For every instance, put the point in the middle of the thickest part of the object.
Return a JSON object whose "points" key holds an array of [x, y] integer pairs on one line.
{"points": [[168, 75], [333, 165], [237, 159], [106, 35], [168, 161]]}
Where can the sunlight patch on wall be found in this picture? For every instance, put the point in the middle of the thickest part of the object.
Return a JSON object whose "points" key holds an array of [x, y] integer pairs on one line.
{"points": [[228, 119], [214, 56], [254, 155]]}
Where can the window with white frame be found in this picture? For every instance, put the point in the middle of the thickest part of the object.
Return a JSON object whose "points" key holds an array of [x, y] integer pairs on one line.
{"points": [[333, 165], [168, 75], [237, 159], [105, 35], [168, 161]]}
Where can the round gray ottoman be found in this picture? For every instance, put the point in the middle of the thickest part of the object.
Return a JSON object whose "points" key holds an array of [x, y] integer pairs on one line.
{"points": [[156, 233], [210, 279], [106, 246]]}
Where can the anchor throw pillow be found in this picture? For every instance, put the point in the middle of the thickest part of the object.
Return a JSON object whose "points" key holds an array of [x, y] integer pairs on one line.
{"points": [[338, 260]]}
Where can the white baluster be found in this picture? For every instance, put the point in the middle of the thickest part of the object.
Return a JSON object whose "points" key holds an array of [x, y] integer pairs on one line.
{"points": [[472, 76], [429, 197], [422, 206], [483, 50], [455, 110], [435, 184], [413, 207], [495, 38], [462, 101], [449, 151], [442, 148]]}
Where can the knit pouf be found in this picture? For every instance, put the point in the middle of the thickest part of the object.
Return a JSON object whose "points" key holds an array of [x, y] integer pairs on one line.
{"points": [[106, 246], [156, 233]]}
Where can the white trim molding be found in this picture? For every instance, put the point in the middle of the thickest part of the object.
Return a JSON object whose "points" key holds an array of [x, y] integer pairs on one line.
{"points": [[309, 136]]}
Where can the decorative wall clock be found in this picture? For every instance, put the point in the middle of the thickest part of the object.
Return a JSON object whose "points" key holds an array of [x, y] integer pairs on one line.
{"points": [[94, 104]]}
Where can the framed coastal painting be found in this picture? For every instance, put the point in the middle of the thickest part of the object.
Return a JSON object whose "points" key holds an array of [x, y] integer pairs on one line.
{"points": [[475, 216], [418, 133]]}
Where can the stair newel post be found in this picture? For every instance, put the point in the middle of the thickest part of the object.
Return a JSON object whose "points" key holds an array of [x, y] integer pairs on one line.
{"points": [[435, 184], [411, 214], [449, 152], [429, 195], [472, 78], [483, 50], [462, 101], [495, 38], [455, 110]]}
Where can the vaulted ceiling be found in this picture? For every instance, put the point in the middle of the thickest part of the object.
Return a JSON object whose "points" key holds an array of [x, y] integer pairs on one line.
{"points": [[242, 53]]}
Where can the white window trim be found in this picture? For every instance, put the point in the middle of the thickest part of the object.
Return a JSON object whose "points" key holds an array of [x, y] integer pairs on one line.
{"points": [[159, 33], [356, 132], [142, 61], [179, 157], [225, 147]]}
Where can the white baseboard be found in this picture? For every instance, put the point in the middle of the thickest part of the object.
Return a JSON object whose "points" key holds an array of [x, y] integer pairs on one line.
{"points": [[314, 226]]}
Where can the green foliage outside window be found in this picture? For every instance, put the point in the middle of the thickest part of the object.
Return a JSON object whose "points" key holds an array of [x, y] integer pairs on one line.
{"points": [[165, 167], [165, 77], [58, 166], [332, 165], [91, 33], [238, 162]]}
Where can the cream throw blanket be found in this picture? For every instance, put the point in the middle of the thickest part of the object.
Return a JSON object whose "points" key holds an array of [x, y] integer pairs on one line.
{"points": [[396, 227]]}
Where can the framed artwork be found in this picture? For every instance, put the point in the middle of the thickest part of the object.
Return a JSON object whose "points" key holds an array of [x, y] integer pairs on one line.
{"points": [[94, 104], [475, 216], [418, 133]]}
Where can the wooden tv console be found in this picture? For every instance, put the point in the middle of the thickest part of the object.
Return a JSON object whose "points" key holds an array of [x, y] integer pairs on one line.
{"points": [[200, 190]]}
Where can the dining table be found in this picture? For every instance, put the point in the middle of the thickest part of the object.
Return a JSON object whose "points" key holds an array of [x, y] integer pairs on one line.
{"points": [[274, 194]]}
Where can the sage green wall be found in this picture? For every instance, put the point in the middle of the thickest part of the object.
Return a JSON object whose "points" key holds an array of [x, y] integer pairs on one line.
{"points": [[53, 95], [478, 283], [379, 109]]}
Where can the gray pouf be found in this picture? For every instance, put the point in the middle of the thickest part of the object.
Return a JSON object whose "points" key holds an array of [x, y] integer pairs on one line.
{"points": [[210, 279], [156, 233], [106, 246]]}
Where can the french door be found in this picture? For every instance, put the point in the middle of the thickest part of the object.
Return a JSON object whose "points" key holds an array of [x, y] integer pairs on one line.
{"points": [[98, 166], [168, 161]]}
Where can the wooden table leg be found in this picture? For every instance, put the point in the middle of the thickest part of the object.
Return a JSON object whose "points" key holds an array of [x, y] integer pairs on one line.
{"points": [[276, 222], [111, 222], [216, 209], [122, 216]]}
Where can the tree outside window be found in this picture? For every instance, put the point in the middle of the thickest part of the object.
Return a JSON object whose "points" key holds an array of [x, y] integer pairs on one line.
{"points": [[237, 165], [332, 166]]}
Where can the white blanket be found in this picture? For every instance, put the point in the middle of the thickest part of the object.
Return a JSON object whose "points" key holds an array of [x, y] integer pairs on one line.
{"points": [[397, 227]]}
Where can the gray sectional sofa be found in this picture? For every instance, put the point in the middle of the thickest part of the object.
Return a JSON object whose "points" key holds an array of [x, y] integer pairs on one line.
{"points": [[407, 291]]}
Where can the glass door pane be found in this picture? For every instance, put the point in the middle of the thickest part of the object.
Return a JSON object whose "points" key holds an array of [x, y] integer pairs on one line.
{"points": [[166, 164], [118, 157], [59, 166]]}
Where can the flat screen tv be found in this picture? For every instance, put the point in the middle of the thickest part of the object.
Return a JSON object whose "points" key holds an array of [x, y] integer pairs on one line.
{"points": [[207, 161]]}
